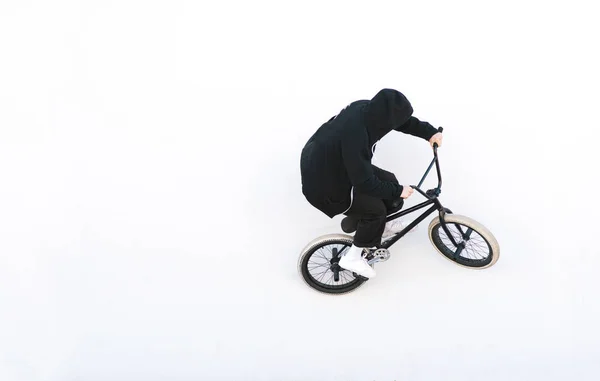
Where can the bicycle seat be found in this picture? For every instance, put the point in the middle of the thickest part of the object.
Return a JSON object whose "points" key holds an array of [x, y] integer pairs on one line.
{"points": [[350, 223]]}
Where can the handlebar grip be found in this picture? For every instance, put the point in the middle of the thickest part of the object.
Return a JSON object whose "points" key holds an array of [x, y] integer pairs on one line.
{"points": [[440, 130]]}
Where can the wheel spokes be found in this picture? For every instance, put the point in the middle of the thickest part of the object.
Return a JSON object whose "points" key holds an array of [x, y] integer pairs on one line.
{"points": [[321, 270], [471, 247]]}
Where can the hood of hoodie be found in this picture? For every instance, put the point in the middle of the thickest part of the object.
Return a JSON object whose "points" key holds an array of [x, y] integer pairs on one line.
{"points": [[388, 110]]}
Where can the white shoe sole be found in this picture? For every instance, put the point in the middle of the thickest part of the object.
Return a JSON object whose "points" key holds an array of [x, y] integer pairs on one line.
{"points": [[360, 270]]}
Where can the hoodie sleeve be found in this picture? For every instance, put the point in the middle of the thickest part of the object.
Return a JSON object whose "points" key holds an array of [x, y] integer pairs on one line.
{"points": [[356, 159], [417, 128]]}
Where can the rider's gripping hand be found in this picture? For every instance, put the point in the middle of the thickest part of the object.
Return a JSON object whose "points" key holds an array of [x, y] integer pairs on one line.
{"points": [[407, 191], [437, 138]]}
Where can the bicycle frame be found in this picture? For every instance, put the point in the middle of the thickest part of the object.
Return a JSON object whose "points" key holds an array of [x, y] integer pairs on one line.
{"points": [[436, 206], [432, 199]]}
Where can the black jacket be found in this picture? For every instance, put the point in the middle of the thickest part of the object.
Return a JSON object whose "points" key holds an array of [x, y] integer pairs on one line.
{"points": [[338, 155]]}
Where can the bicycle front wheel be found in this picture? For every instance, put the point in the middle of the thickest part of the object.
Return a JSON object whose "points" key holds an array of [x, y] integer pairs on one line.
{"points": [[477, 247]]}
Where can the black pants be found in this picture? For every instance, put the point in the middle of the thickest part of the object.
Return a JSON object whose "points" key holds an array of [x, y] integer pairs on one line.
{"points": [[370, 213]]}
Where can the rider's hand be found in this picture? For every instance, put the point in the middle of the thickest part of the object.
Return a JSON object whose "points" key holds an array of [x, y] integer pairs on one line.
{"points": [[407, 191], [437, 138]]}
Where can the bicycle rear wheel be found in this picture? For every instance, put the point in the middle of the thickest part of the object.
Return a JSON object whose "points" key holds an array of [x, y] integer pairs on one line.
{"points": [[318, 265], [478, 248]]}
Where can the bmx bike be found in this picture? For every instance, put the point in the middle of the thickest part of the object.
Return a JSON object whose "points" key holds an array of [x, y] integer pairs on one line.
{"points": [[459, 238]]}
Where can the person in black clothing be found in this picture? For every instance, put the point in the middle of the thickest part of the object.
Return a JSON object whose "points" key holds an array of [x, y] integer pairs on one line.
{"points": [[339, 178]]}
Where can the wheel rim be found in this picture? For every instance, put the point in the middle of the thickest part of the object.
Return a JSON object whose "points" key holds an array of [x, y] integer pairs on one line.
{"points": [[477, 251], [319, 267]]}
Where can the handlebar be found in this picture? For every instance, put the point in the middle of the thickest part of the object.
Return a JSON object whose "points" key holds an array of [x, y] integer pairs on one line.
{"points": [[436, 191]]}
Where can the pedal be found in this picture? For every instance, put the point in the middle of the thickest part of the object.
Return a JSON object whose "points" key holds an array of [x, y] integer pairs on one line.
{"points": [[379, 255]]}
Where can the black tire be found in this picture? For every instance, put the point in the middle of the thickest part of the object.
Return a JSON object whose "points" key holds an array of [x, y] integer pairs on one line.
{"points": [[315, 256], [481, 249]]}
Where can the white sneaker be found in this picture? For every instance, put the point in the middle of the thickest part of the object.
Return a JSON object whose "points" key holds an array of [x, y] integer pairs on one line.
{"points": [[395, 226], [354, 261]]}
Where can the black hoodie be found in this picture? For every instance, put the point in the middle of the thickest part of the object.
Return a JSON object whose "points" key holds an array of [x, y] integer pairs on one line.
{"points": [[338, 155]]}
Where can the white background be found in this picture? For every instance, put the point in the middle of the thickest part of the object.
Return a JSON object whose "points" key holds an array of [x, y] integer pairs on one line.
{"points": [[151, 213]]}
